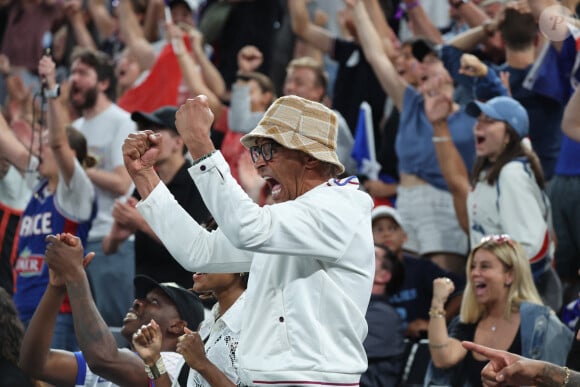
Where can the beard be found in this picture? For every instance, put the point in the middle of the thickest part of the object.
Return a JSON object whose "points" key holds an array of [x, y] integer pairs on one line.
{"points": [[89, 100]]}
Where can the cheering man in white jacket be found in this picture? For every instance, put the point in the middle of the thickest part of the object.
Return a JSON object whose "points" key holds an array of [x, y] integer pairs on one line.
{"points": [[310, 255]]}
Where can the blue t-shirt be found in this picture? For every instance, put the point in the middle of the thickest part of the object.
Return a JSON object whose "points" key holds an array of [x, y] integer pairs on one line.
{"points": [[553, 79], [545, 116], [41, 218], [414, 142], [413, 301]]}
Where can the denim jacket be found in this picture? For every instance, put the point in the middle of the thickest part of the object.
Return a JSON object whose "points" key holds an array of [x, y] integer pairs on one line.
{"points": [[543, 337]]}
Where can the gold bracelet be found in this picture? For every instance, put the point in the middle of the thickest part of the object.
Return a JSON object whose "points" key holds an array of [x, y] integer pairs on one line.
{"points": [[437, 312], [567, 377]]}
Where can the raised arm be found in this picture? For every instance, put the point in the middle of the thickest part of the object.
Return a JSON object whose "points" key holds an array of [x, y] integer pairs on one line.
{"points": [[468, 40], [306, 30], [191, 71], [422, 24], [470, 12], [36, 358], [392, 82], [211, 75], [133, 35], [241, 119], [445, 351], [102, 18], [57, 119], [73, 10], [65, 256], [153, 15], [571, 119], [11, 149], [438, 108]]}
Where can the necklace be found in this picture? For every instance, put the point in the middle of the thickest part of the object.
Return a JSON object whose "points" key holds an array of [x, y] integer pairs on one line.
{"points": [[493, 328]]}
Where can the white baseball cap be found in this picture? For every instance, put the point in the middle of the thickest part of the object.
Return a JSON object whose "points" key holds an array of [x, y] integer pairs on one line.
{"points": [[386, 212]]}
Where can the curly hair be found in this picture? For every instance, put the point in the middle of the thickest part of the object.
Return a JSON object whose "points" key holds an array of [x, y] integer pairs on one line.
{"points": [[12, 329]]}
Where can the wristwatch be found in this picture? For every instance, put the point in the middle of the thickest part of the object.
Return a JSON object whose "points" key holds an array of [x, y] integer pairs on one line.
{"points": [[458, 3], [53, 93]]}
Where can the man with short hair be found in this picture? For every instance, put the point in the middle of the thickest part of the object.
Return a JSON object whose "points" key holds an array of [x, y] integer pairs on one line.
{"points": [[310, 254], [170, 305], [105, 125], [151, 257]]}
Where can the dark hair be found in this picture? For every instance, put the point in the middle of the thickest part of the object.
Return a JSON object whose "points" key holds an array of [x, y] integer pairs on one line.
{"points": [[265, 83], [78, 143], [395, 266], [12, 329], [519, 30], [101, 63], [513, 150]]}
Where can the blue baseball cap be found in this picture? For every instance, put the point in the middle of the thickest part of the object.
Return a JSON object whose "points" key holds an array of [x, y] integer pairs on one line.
{"points": [[504, 109]]}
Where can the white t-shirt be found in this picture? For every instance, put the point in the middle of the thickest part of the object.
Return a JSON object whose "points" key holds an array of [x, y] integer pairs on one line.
{"points": [[14, 191], [86, 377], [105, 135]]}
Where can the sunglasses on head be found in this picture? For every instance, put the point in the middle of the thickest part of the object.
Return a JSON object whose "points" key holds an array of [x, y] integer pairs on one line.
{"points": [[499, 239]]}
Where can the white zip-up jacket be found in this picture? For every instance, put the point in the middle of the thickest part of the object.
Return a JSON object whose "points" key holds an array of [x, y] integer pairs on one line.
{"points": [[311, 264]]}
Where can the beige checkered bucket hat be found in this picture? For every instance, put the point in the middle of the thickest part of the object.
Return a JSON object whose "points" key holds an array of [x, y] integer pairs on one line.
{"points": [[300, 124]]}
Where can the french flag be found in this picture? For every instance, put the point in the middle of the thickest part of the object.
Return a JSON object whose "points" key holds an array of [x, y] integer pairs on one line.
{"points": [[363, 150]]}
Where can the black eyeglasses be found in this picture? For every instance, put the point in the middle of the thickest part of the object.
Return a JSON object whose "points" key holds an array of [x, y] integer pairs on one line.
{"points": [[264, 150]]}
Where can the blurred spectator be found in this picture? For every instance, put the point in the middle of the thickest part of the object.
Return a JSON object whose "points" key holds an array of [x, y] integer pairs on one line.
{"points": [[63, 200], [520, 34], [355, 81], [253, 22], [105, 125], [10, 338], [14, 195], [413, 297], [564, 192], [28, 21], [384, 344], [423, 199]]}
